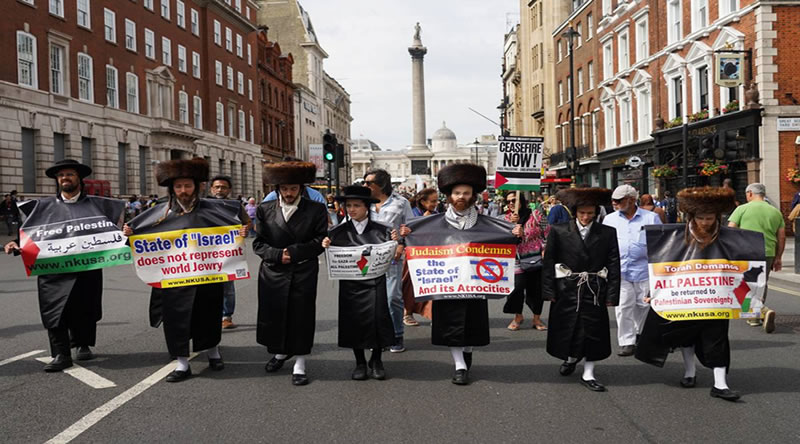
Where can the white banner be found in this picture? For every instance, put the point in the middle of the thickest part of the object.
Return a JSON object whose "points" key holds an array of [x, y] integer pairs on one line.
{"points": [[315, 157], [360, 262]]}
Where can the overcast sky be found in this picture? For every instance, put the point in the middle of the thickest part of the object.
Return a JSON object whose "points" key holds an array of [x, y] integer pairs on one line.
{"points": [[367, 42]]}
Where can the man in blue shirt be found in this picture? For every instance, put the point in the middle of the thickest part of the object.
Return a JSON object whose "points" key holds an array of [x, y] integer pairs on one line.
{"points": [[628, 219], [309, 193]]}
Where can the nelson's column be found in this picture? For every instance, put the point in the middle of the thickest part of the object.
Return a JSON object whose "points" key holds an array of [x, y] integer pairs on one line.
{"points": [[419, 154]]}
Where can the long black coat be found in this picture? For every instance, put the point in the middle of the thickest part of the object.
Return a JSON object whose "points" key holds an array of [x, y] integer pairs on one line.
{"points": [[573, 331], [287, 293], [364, 319]]}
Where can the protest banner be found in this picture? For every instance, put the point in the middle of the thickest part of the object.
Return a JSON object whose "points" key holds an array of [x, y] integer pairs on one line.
{"points": [[65, 238], [445, 263], [360, 262], [725, 280], [519, 163], [201, 247]]}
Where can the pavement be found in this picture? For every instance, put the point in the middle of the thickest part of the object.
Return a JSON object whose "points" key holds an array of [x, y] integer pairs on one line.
{"points": [[517, 394]]}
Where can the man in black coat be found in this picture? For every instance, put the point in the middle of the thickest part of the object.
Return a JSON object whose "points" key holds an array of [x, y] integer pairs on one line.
{"points": [[71, 303], [581, 278], [289, 237]]}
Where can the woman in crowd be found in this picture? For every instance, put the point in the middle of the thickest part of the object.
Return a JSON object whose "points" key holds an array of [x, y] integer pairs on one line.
{"points": [[423, 204], [646, 203]]}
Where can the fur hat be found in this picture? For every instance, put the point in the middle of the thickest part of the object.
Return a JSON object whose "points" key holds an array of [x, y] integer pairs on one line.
{"points": [[357, 192], [292, 172], [462, 174], [584, 197], [701, 200], [83, 170], [168, 171]]}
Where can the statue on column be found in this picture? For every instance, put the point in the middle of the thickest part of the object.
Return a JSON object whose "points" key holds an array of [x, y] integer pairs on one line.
{"points": [[417, 32]]}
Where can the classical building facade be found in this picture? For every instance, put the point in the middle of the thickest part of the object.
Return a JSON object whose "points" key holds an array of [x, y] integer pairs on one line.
{"points": [[337, 120], [123, 85], [511, 106], [276, 99]]}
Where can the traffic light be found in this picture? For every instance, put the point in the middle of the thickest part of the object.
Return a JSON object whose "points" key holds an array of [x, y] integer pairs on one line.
{"points": [[329, 143], [339, 155]]}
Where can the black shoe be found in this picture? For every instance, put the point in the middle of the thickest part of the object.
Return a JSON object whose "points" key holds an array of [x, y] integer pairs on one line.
{"points": [[275, 364], [376, 370], [626, 350], [60, 362], [461, 377], [593, 385], [468, 359], [726, 394], [298, 379], [216, 364], [84, 353], [567, 368], [178, 376], [688, 382], [360, 373]]}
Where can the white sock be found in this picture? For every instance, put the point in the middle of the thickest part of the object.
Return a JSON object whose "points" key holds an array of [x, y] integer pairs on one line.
{"points": [[458, 357], [183, 364], [689, 366], [213, 352], [299, 366], [281, 357], [572, 360], [468, 349], [720, 378], [588, 370]]}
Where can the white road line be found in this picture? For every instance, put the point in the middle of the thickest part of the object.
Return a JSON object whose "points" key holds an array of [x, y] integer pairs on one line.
{"points": [[783, 290], [104, 410], [85, 375], [22, 356]]}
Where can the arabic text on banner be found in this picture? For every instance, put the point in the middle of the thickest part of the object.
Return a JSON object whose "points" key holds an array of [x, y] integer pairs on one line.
{"points": [[723, 281], [190, 257], [360, 262], [58, 238]]}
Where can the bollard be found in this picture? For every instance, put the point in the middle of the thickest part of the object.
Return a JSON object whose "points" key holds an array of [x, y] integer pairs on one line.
{"points": [[796, 246]]}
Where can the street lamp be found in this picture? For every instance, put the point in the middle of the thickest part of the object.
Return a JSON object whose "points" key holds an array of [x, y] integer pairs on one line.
{"points": [[476, 143], [571, 153]]}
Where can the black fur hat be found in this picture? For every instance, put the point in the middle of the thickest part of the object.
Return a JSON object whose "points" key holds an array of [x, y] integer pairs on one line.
{"points": [[584, 197], [701, 200], [462, 174], [287, 173], [357, 192], [168, 171]]}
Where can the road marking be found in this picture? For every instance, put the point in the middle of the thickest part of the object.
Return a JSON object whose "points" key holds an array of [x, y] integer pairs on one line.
{"points": [[85, 375], [104, 410], [783, 290], [22, 356]]}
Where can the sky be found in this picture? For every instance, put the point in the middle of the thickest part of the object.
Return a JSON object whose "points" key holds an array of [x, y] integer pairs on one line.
{"points": [[367, 44]]}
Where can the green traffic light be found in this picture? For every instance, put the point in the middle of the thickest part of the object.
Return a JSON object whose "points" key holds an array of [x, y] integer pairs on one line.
{"points": [[329, 157]]}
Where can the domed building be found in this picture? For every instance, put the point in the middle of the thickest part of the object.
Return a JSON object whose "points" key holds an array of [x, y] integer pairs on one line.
{"points": [[444, 140]]}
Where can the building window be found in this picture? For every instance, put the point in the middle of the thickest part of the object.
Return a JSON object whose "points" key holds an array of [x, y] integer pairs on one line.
{"points": [[228, 39], [702, 88], [252, 130], [230, 78], [195, 17], [238, 6], [700, 14], [643, 109], [727, 7], [132, 81], [218, 72], [608, 60], [626, 128], [610, 118], [183, 107], [149, 44], [569, 88], [560, 93], [148, 4], [84, 15], [180, 14], [198, 112], [166, 51], [677, 98], [606, 7], [85, 78], [28, 161], [239, 47], [247, 12], [674, 21], [624, 49], [231, 121], [220, 120], [595, 131], [589, 26], [110, 22], [250, 89], [130, 35], [142, 169], [580, 34], [642, 40], [249, 54], [560, 50], [122, 158], [181, 58], [57, 69], [195, 64], [217, 33], [112, 91], [57, 7], [240, 82], [590, 69], [242, 129], [580, 81], [165, 9]]}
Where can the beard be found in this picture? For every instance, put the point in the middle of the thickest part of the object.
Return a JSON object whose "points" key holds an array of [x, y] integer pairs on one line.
{"points": [[703, 236], [186, 200], [69, 187], [462, 205]]}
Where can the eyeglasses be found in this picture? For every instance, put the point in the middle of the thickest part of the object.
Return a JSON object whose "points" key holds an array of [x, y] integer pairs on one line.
{"points": [[616, 201]]}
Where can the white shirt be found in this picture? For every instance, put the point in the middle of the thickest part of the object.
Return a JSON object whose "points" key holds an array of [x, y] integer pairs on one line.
{"points": [[70, 200], [584, 231], [360, 226], [288, 209]]}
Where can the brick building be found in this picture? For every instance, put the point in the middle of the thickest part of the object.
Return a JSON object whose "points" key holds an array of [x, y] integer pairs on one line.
{"points": [[275, 96], [123, 85]]}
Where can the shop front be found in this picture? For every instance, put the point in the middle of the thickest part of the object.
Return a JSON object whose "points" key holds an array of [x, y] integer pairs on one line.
{"points": [[630, 164]]}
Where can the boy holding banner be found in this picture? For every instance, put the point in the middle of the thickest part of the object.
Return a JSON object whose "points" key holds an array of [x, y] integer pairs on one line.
{"points": [[364, 319]]}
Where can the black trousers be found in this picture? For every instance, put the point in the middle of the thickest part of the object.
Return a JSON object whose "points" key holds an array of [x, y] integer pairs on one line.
{"points": [[76, 328], [527, 290]]}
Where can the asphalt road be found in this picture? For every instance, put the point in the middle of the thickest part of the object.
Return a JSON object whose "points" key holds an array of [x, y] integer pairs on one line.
{"points": [[516, 394]]}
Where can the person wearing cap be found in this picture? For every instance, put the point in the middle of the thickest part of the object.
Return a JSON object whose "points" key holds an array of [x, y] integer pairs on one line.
{"points": [[70, 303], [364, 319], [220, 188], [580, 278], [708, 338], [628, 219], [189, 313], [462, 324], [289, 237]]}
